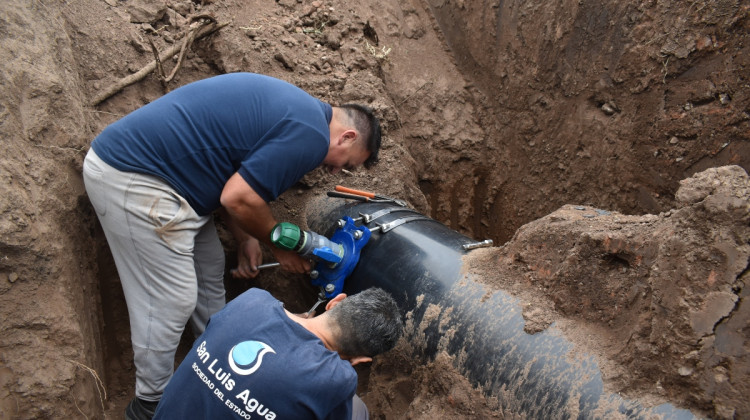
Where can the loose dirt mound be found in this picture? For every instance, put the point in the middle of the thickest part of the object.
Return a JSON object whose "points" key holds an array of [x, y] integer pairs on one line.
{"points": [[659, 298], [494, 115]]}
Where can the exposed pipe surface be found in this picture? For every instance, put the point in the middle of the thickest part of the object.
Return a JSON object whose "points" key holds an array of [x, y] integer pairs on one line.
{"points": [[419, 261]]}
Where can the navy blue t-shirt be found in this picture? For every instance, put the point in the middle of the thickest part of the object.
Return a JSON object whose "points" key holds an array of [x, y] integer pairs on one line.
{"points": [[254, 362], [197, 136]]}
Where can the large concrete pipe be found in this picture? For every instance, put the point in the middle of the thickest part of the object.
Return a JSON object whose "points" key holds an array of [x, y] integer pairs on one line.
{"points": [[419, 261]]}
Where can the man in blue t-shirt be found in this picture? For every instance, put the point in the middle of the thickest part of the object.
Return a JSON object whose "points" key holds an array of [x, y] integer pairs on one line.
{"points": [[230, 143], [256, 360]]}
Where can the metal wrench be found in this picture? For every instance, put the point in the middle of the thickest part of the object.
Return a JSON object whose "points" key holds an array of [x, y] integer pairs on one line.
{"points": [[337, 194], [376, 198], [260, 267], [321, 299]]}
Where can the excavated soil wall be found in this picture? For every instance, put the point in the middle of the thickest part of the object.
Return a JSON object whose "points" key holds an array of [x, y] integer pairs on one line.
{"points": [[605, 103]]}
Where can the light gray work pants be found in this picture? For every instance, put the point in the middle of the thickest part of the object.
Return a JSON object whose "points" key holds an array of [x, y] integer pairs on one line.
{"points": [[359, 409], [170, 262]]}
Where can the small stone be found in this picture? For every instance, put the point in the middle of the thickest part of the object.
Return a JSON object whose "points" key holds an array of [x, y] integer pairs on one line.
{"points": [[674, 140], [607, 109], [251, 33], [12, 277], [142, 11], [703, 42], [287, 62], [724, 99], [685, 371]]}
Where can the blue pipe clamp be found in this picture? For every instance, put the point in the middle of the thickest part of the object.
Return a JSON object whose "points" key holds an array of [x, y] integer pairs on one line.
{"points": [[331, 276]]}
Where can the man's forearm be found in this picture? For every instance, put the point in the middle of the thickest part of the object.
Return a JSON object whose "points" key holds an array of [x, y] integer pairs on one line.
{"points": [[248, 214], [233, 225], [255, 222]]}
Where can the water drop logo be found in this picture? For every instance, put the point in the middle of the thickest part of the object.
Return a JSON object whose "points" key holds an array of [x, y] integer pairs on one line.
{"points": [[246, 357]]}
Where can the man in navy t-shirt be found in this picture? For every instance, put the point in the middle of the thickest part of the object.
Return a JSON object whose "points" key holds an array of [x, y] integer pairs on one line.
{"points": [[258, 361], [230, 143]]}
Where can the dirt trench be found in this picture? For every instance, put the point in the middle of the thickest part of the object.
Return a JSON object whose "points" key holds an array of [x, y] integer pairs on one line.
{"points": [[496, 116]]}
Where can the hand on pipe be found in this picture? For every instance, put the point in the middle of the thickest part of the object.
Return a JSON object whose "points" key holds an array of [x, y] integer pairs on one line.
{"points": [[291, 261]]}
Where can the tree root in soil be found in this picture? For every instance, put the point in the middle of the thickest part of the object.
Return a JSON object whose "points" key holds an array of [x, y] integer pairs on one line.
{"points": [[205, 28], [99, 384]]}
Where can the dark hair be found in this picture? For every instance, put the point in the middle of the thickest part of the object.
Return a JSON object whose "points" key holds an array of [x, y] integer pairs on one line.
{"points": [[368, 126], [368, 323]]}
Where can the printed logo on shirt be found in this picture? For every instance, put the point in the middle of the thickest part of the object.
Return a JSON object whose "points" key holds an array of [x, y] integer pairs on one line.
{"points": [[246, 357]]}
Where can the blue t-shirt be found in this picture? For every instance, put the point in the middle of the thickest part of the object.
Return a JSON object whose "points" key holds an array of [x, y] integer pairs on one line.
{"points": [[254, 362], [197, 136]]}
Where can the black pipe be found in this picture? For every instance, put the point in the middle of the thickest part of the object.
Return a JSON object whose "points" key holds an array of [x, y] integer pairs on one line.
{"points": [[420, 263]]}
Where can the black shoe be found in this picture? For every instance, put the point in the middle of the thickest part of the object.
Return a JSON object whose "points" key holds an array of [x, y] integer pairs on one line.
{"points": [[139, 409]]}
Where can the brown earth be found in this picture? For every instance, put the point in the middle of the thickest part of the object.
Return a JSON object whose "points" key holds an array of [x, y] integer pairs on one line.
{"points": [[504, 120]]}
